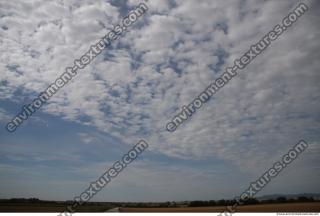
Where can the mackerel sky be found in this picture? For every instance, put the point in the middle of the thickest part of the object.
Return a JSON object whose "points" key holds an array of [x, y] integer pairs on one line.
{"points": [[140, 82]]}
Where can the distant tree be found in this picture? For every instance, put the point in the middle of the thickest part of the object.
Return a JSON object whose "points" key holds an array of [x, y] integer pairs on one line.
{"points": [[251, 201], [33, 200], [305, 199], [281, 199], [212, 203], [206, 203], [196, 203], [221, 202], [268, 201], [173, 204], [228, 202]]}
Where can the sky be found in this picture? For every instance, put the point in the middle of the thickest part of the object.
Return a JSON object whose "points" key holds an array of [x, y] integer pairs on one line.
{"points": [[138, 84]]}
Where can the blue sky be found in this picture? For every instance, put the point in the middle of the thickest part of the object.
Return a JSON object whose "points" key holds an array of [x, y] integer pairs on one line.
{"points": [[136, 86]]}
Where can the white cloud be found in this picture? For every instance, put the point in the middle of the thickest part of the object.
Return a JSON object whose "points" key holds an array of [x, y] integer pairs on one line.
{"points": [[133, 91]]}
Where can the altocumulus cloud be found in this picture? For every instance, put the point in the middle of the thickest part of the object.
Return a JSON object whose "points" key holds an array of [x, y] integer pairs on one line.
{"points": [[162, 63]]}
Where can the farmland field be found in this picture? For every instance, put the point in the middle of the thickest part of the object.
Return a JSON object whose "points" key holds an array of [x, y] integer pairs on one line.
{"points": [[55, 207], [286, 207]]}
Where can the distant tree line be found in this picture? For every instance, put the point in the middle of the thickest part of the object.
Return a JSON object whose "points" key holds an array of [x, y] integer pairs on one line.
{"points": [[196, 203], [250, 201], [21, 200]]}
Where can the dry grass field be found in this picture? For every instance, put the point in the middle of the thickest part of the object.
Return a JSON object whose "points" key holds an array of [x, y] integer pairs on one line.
{"points": [[286, 207]]}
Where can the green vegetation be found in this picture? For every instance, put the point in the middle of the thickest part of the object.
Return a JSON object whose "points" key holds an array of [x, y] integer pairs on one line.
{"points": [[36, 205]]}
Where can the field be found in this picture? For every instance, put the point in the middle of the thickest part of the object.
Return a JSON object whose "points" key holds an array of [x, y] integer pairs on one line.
{"points": [[51, 207], [285, 207]]}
